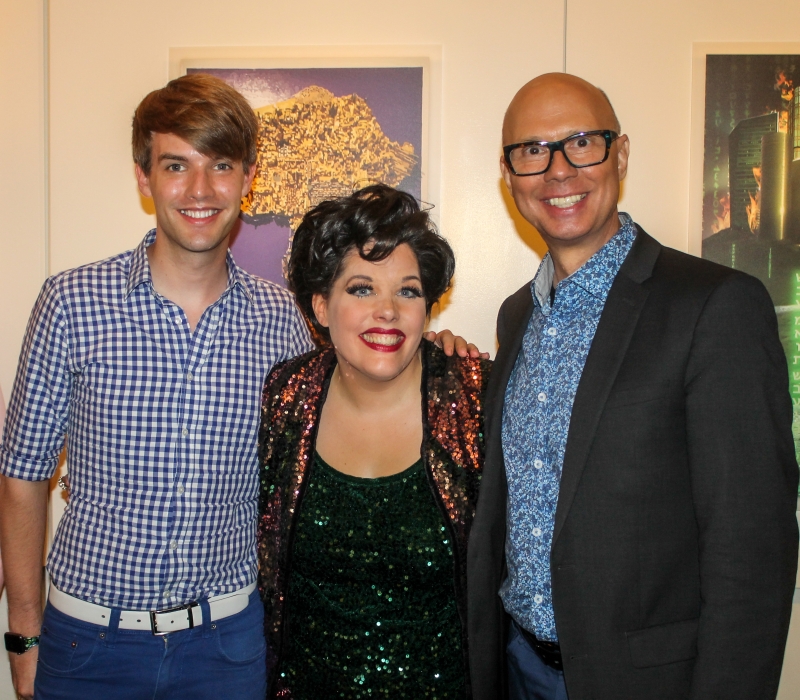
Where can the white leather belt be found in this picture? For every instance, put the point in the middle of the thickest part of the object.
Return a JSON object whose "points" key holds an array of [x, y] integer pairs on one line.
{"points": [[158, 622]]}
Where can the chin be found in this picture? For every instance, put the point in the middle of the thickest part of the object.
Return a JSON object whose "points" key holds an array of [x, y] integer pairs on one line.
{"points": [[383, 371], [379, 369], [568, 230]]}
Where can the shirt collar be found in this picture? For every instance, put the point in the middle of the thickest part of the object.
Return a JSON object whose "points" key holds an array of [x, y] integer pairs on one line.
{"points": [[596, 275], [140, 270]]}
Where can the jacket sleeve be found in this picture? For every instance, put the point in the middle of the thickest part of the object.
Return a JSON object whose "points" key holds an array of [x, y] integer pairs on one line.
{"points": [[744, 486], [502, 323]]}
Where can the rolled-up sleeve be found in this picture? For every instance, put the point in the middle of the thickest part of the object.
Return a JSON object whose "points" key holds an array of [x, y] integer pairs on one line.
{"points": [[38, 409]]}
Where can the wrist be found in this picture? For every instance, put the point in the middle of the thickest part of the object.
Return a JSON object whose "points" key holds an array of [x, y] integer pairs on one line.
{"points": [[27, 623], [19, 644]]}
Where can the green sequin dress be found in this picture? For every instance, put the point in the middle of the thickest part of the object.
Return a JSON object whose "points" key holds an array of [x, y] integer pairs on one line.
{"points": [[371, 610]]}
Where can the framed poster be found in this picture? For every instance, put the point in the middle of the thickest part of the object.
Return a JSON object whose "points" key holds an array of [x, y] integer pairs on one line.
{"points": [[746, 175], [331, 120]]}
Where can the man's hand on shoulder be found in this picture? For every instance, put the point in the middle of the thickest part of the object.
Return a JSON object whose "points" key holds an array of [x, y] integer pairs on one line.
{"points": [[454, 343]]}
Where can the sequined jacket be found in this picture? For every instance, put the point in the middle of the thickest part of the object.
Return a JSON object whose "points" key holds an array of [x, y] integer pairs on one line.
{"points": [[452, 450]]}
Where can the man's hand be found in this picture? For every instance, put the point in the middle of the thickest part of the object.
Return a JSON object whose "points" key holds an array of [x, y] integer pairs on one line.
{"points": [[23, 672], [23, 516], [454, 343]]}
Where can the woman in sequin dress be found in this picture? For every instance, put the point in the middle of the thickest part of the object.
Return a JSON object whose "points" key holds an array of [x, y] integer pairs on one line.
{"points": [[370, 451]]}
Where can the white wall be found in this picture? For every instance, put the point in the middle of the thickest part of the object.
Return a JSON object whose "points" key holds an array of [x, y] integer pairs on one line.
{"points": [[22, 184], [22, 177], [103, 58]]}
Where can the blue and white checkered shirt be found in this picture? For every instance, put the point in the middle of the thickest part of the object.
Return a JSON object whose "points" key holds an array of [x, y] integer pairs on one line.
{"points": [[536, 417], [162, 426]]}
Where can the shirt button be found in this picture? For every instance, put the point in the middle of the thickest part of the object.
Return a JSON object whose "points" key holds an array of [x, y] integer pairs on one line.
{"points": [[185, 431], [552, 331], [538, 598], [537, 532], [177, 322], [173, 544], [189, 376], [538, 463], [181, 489], [541, 396], [166, 594]]}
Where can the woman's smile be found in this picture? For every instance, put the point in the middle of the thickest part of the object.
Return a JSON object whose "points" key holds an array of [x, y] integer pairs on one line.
{"points": [[383, 339]]}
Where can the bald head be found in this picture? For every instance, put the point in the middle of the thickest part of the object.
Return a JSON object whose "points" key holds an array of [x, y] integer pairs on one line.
{"points": [[574, 207], [556, 95]]}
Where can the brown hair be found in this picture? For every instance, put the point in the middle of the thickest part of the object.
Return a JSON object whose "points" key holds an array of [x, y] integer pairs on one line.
{"points": [[202, 110]]}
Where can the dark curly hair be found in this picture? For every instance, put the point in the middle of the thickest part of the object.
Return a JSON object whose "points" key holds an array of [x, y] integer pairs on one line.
{"points": [[374, 220]]}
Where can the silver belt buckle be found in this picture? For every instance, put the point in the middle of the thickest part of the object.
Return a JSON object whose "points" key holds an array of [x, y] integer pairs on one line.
{"points": [[154, 622]]}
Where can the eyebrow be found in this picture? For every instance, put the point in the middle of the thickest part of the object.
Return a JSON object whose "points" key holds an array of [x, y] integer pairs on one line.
{"points": [[407, 278], [571, 133], [172, 156]]}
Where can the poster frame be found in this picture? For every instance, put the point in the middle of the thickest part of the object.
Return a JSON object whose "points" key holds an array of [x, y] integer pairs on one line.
{"points": [[427, 57], [700, 50]]}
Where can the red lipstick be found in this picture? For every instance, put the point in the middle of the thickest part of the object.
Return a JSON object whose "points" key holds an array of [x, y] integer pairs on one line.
{"points": [[395, 337]]}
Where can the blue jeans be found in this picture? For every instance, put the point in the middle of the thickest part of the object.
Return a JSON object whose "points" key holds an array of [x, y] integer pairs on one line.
{"points": [[529, 678], [221, 659]]}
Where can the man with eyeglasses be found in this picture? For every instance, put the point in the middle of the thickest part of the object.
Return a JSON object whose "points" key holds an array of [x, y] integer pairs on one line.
{"points": [[635, 537]]}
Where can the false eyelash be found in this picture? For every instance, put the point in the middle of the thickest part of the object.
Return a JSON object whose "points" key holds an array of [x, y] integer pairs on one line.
{"points": [[358, 285], [416, 291]]}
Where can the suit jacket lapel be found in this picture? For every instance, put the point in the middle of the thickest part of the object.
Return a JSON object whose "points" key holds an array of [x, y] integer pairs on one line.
{"points": [[517, 313], [609, 346]]}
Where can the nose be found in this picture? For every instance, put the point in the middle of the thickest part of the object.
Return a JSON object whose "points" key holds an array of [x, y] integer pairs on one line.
{"points": [[560, 168], [386, 308], [200, 186]]}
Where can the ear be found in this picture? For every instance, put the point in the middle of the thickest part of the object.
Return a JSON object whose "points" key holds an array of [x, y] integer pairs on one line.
{"points": [[506, 174], [248, 179], [623, 151], [143, 181], [320, 305]]}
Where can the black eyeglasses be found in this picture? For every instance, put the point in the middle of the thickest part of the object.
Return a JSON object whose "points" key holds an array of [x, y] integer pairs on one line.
{"points": [[580, 150]]}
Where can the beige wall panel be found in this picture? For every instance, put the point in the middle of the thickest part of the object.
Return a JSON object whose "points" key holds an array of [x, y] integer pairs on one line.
{"points": [[22, 177], [22, 182], [106, 57], [641, 54], [790, 678]]}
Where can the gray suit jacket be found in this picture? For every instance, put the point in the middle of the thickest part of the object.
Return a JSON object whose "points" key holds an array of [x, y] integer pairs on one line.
{"points": [[675, 544]]}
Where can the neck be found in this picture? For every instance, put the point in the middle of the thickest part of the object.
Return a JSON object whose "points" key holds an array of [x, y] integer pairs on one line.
{"points": [[366, 394], [571, 255], [191, 280]]}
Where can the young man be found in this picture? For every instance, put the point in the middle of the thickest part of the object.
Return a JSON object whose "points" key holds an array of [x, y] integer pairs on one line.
{"points": [[636, 514], [152, 362]]}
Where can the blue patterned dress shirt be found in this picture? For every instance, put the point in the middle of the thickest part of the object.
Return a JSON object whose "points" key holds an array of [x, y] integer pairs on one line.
{"points": [[162, 425], [536, 416]]}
